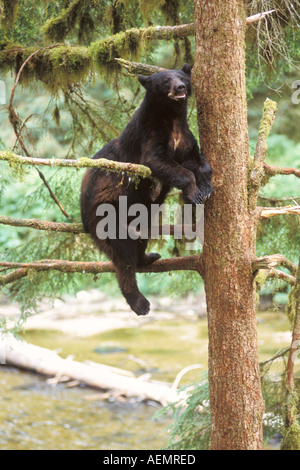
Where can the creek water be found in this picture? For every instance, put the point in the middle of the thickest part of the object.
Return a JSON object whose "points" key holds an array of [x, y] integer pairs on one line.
{"points": [[35, 415]]}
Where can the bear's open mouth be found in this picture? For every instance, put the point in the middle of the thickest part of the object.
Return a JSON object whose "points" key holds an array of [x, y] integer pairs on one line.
{"points": [[179, 97]]}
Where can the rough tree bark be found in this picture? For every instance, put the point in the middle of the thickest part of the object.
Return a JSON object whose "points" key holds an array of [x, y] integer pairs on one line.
{"points": [[219, 81]]}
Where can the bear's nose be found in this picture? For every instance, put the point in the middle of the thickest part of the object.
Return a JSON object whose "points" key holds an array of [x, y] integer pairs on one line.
{"points": [[181, 88]]}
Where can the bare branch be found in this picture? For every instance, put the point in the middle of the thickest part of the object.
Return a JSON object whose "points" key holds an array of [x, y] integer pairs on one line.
{"points": [[273, 170], [268, 262], [258, 16], [135, 68], [277, 274], [267, 212], [138, 171]]}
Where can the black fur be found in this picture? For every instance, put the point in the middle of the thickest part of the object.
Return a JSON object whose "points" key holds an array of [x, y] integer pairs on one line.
{"points": [[157, 136]]}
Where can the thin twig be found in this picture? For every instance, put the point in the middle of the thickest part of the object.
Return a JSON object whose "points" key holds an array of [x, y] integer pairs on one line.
{"points": [[275, 200], [279, 354]]}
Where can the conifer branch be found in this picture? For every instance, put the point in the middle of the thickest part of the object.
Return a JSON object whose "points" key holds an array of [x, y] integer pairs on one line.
{"points": [[37, 224], [21, 270]]}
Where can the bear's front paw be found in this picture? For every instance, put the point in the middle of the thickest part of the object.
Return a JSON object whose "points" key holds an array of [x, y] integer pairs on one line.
{"points": [[206, 191], [194, 198]]}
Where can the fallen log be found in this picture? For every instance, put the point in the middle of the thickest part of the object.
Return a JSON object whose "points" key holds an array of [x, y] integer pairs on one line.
{"points": [[18, 353]]}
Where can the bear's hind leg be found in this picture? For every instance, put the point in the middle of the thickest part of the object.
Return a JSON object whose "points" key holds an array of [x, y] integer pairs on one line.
{"points": [[144, 259], [149, 258], [125, 260]]}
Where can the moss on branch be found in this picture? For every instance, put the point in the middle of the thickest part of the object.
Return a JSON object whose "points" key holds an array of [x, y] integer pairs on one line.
{"points": [[257, 171], [135, 171], [65, 65], [8, 13], [135, 68], [56, 68]]}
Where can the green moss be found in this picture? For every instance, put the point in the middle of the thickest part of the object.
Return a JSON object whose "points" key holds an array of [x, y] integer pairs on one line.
{"points": [[171, 10], [17, 169], [9, 54], [270, 108], [56, 68], [291, 439], [65, 65], [127, 44], [76, 13], [261, 278], [8, 13], [56, 29], [1, 11], [56, 116], [291, 307], [139, 173], [147, 7]]}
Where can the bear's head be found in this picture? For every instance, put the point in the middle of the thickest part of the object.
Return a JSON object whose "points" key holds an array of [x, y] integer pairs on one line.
{"points": [[170, 86]]}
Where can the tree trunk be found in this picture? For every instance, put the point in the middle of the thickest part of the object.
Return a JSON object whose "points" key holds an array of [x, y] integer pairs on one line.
{"points": [[219, 80]]}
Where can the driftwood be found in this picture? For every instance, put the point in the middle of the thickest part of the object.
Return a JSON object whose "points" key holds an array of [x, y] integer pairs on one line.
{"points": [[20, 354]]}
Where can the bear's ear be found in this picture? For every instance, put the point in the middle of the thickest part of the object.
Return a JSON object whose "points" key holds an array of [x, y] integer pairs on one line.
{"points": [[143, 80], [187, 69]]}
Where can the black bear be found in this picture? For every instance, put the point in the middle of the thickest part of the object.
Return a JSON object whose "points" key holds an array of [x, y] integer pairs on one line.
{"points": [[157, 136]]}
